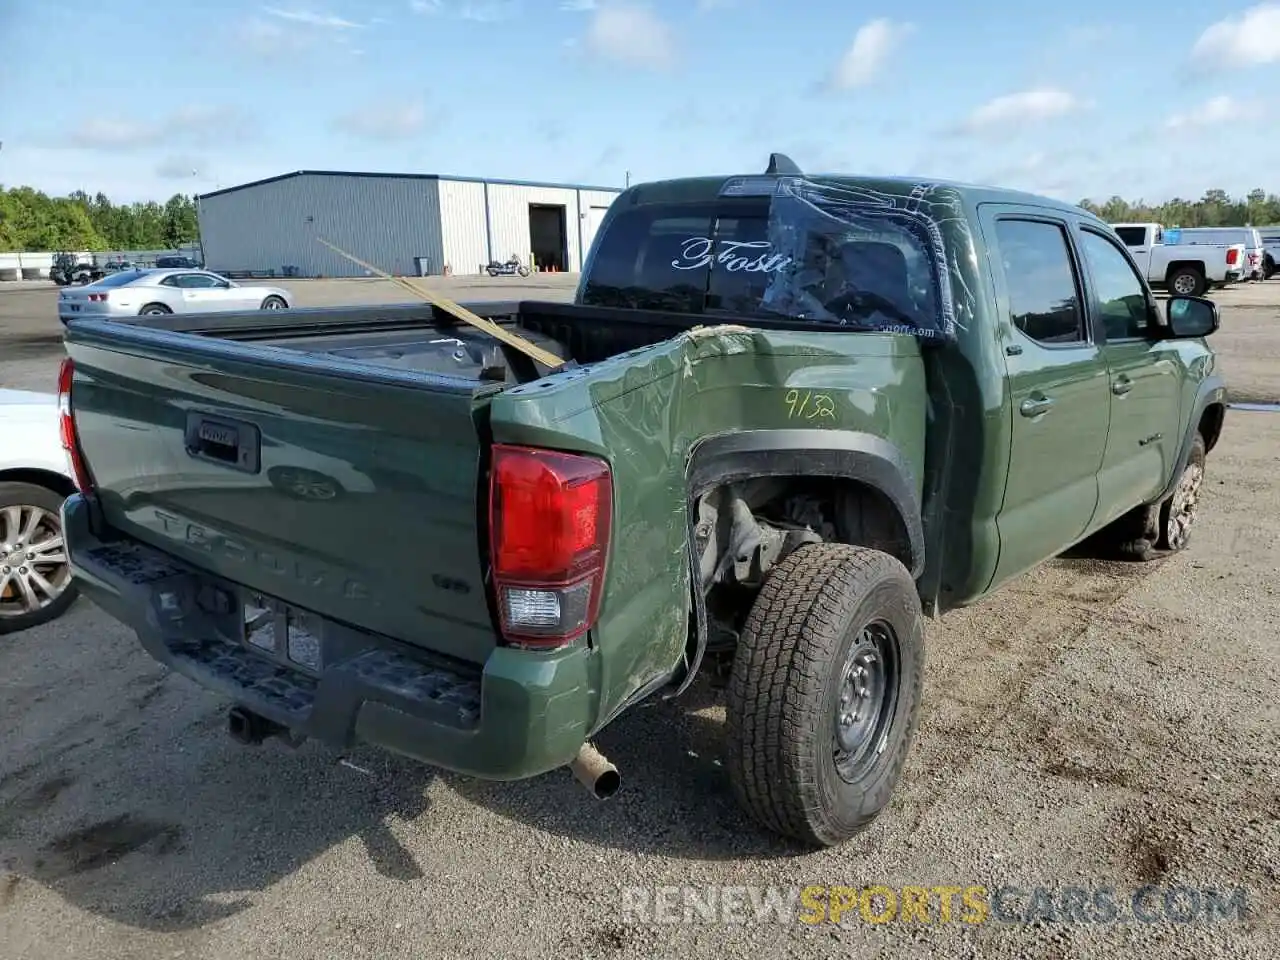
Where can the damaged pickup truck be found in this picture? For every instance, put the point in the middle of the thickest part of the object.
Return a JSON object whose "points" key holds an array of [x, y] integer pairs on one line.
{"points": [[784, 419]]}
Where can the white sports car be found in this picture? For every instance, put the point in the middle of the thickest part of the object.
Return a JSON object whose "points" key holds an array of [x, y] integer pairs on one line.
{"points": [[147, 292]]}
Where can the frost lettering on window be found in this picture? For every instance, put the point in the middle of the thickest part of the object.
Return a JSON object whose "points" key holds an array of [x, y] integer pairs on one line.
{"points": [[745, 256]]}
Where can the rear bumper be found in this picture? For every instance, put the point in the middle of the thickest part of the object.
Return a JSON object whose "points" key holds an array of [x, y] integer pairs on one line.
{"points": [[523, 714]]}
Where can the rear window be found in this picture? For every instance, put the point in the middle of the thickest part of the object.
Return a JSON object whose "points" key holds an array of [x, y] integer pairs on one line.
{"points": [[1132, 236], [118, 279], [730, 258]]}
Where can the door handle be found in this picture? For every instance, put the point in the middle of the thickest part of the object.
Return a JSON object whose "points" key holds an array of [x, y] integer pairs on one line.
{"points": [[1034, 406], [1121, 386]]}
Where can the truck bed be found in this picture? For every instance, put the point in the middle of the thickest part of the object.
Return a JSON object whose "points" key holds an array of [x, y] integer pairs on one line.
{"points": [[335, 460]]}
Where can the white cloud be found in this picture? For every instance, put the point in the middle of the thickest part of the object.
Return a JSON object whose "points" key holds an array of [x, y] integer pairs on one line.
{"points": [[872, 46], [324, 21], [632, 34], [1213, 111], [189, 126], [1016, 109], [389, 123], [1242, 40], [577, 6]]}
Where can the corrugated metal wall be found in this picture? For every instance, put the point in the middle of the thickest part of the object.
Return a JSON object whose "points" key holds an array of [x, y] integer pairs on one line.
{"points": [[509, 218], [462, 225], [386, 221], [594, 203]]}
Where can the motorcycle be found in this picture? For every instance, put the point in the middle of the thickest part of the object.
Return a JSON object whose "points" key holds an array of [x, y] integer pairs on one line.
{"points": [[510, 268]]}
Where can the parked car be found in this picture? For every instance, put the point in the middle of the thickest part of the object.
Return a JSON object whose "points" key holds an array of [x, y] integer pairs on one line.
{"points": [[1251, 237], [772, 461], [157, 292], [35, 478], [177, 263], [1185, 269], [1270, 251]]}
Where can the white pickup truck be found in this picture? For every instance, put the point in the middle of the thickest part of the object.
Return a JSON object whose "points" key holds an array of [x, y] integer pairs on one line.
{"points": [[1184, 268]]}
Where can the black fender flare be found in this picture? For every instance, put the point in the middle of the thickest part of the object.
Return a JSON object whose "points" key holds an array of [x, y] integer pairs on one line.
{"points": [[1212, 390], [864, 457]]}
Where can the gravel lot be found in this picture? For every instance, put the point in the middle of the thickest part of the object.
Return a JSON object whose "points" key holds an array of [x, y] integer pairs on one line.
{"points": [[1092, 725]]}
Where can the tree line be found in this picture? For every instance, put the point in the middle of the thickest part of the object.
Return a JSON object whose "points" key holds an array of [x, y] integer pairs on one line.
{"points": [[31, 220], [1215, 209]]}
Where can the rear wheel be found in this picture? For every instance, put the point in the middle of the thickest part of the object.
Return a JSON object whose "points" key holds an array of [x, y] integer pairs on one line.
{"points": [[274, 303], [154, 310], [1187, 282], [35, 580], [824, 693]]}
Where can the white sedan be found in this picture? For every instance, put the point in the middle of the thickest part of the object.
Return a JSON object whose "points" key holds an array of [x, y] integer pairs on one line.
{"points": [[130, 293], [35, 477]]}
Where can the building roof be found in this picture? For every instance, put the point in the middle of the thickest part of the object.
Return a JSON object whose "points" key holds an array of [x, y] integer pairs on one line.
{"points": [[406, 176]]}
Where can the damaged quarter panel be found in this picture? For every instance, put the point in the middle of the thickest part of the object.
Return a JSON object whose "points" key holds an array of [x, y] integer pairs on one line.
{"points": [[644, 413]]}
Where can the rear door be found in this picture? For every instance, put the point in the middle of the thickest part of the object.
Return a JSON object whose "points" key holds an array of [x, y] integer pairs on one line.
{"points": [[1057, 387], [1144, 375]]}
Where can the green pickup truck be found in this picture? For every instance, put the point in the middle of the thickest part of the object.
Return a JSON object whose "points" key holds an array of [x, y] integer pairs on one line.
{"points": [[794, 416]]}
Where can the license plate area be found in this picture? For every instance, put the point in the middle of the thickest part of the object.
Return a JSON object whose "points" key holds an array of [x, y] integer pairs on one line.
{"points": [[282, 632]]}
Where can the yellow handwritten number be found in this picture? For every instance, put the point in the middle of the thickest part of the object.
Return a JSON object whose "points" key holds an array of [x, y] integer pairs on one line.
{"points": [[806, 405]]}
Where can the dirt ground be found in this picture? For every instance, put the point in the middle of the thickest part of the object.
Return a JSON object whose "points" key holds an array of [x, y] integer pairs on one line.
{"points": [[1093, 726]]}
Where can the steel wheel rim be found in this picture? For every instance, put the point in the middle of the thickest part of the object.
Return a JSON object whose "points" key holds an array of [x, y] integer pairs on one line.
{"points": [[33, 560], [1184, 284], [866, 701], [1182, 509]]}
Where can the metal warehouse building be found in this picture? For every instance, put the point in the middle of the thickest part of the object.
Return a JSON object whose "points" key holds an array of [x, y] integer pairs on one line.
{"points": [[404, 224]]}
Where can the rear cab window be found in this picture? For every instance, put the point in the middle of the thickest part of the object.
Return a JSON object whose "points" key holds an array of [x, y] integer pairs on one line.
{"points": [[1133, 236], [748, 258]]}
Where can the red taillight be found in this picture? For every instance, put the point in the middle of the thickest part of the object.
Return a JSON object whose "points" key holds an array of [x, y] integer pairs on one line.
{"points": [[1232, 257], [549, 524], [98, 297], [67, 428]]}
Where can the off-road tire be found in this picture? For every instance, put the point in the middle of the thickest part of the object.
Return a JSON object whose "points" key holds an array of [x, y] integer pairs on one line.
{"points": [[1176, 503], [785, 685]]}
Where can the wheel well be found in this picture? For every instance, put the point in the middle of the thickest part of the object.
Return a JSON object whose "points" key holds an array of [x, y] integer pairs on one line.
{"points": [[155, 303], [1211, 424], [741, 529], [1195, 265], [40, 478]]}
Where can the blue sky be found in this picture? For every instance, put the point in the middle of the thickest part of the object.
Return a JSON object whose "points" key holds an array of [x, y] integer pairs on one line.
{"points": [[1143, 99]]}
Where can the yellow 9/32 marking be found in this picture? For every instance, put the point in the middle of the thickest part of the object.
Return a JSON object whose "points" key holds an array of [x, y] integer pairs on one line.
{"points": [[807, 405]]}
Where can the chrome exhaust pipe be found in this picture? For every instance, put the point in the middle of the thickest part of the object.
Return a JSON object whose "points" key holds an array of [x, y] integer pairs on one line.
{"points": [[592, 770]]}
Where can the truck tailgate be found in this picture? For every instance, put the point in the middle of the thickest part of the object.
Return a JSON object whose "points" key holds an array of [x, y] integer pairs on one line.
{"points": [[336, 486]]}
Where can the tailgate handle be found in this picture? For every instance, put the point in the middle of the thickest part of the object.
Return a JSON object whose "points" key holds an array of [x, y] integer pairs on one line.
{"points": [[230, 443]]}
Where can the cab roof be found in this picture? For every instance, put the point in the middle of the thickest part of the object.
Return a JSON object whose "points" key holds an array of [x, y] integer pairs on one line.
{"points": [[693, 189]]}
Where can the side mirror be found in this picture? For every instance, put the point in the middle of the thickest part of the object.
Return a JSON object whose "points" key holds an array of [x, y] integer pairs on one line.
{"points": [[1192, 316]]}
